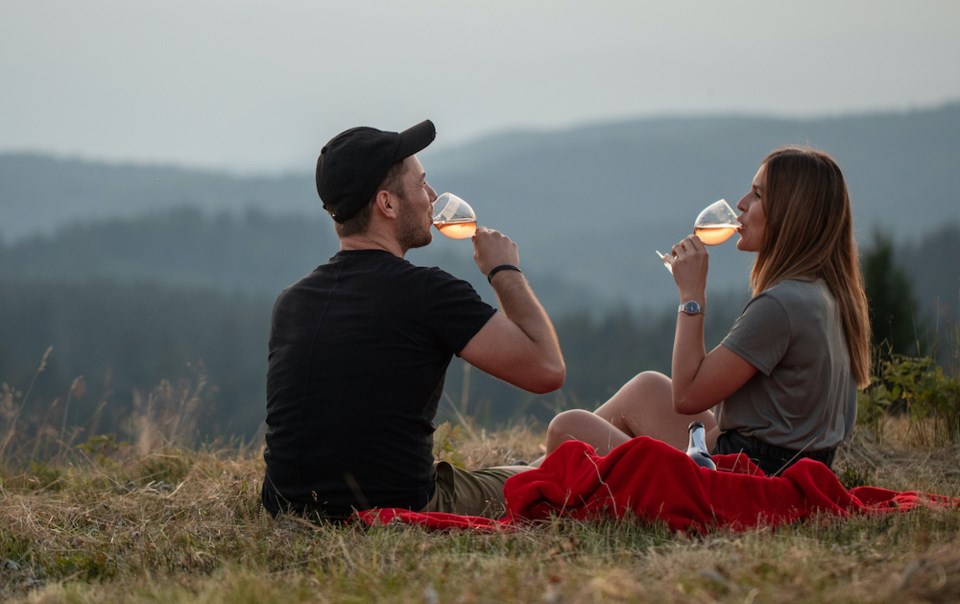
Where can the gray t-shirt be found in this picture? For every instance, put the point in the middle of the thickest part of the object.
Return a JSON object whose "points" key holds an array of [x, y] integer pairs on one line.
{"points": [[804, 395]]}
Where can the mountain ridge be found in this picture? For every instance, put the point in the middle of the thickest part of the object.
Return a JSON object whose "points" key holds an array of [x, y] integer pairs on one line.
{"points": [[588, 204]]}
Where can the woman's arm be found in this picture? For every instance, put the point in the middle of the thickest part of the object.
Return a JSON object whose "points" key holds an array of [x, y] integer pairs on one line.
{"points": [[700, 383], [700, 380]]}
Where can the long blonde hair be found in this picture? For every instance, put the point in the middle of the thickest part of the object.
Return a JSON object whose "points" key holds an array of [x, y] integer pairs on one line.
{"points": [[809, 234]]}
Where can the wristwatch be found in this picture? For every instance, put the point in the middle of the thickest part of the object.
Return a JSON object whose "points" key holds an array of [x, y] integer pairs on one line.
{"points": [[691, 307]]}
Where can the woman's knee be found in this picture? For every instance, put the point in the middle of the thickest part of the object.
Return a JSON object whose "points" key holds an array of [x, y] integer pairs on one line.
{"points": [[650, 383], [643, 391], [578, 424], [569, 425]]}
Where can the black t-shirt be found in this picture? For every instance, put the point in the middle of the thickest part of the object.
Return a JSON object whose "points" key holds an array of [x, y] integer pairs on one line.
{"points": [[358, 353]]}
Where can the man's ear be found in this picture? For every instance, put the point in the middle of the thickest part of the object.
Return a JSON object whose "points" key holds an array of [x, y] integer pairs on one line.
{"points": [[386, 203]]}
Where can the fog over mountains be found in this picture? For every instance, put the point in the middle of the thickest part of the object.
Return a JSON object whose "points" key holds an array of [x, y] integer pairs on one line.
{"points": [[588, 205]]}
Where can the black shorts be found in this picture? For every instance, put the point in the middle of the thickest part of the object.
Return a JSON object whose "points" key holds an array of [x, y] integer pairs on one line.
{"points": [[771, 459]]}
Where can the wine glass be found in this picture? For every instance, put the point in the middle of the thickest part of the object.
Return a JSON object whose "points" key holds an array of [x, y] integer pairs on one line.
{"points": [[454, 217], [714, 225]]}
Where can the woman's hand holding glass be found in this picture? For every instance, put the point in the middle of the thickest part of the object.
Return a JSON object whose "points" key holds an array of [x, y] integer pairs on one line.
{"points": [[689, 263]]}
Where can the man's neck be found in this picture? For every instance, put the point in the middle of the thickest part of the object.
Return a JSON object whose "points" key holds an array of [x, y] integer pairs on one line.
{"points": [[371, 241]]}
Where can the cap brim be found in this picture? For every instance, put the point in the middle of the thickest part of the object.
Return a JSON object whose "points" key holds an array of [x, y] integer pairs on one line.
{"points": [[415, 139]]}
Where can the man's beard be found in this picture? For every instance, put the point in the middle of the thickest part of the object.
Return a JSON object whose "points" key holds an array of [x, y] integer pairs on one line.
{"points": [[411, 233]]}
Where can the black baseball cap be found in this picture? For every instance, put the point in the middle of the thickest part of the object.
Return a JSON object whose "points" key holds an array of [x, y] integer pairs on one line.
{"points": [[352, 165]]}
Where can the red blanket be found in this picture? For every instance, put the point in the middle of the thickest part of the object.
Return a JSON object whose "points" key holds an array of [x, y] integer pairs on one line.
{"points": [[655, 482]]}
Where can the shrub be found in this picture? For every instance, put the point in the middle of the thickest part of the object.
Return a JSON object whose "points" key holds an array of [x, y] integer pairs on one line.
{"points": [[918, 388]]}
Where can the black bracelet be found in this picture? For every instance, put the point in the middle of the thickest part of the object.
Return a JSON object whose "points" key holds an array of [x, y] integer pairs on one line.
{"points": [[502, 267]]}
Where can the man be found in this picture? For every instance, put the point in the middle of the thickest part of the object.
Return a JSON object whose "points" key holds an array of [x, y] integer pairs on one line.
{"points": [[359, 348]]}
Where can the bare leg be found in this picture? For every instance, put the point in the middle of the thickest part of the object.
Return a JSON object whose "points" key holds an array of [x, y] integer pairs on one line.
{"points": [[580, 424], [642, 407]]}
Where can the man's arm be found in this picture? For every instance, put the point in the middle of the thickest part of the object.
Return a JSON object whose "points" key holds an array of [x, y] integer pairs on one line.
{"points": [[518, 345]]}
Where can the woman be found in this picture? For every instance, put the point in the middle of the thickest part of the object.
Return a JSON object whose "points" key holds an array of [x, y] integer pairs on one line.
{"points": [[782, 384]]}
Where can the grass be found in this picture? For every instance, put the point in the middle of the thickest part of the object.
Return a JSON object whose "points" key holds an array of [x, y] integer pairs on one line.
{"points": [[111, 523]]}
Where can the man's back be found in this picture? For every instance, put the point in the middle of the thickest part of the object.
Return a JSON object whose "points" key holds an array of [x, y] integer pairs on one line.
{"points": [[359, 348], [358, 353]]}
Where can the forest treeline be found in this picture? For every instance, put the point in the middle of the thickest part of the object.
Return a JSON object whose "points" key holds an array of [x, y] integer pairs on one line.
{"points": [[121, 338], [94, 318]]}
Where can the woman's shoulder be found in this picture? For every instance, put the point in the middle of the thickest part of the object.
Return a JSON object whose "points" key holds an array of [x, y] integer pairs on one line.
{"points": [[800, 293], [798, 287]]}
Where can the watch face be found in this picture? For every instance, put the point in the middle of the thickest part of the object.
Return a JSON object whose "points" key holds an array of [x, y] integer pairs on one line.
{"points": [[691, 308]]}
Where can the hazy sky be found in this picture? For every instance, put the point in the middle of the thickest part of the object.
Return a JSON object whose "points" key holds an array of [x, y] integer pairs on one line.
{"points": [[261, 85]]}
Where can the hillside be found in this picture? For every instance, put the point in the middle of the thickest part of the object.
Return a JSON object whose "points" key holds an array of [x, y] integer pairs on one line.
{"points": [[149, 522], [135, 274], [588, 205]]}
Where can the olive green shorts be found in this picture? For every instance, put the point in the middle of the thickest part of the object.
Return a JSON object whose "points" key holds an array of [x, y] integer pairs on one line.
{"points": [[476, 493]]}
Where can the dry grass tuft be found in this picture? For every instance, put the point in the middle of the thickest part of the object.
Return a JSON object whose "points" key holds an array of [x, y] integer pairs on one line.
{"points": [[898, 462]]}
